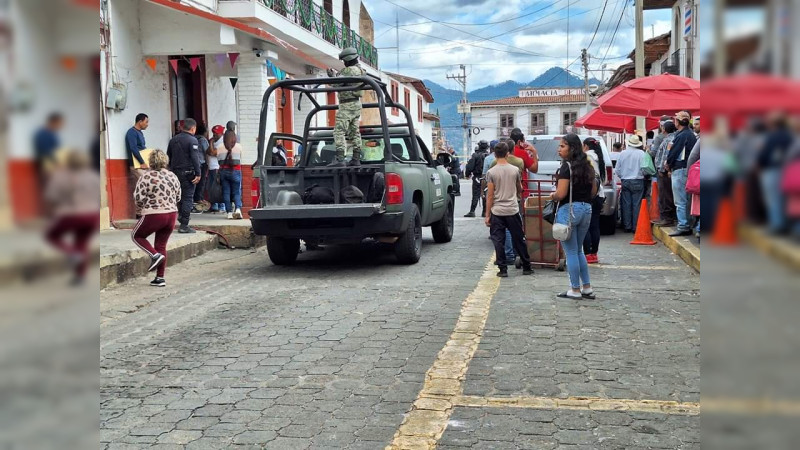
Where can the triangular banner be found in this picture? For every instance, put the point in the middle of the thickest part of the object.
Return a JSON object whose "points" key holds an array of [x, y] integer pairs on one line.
{"points": [[233, 57], [220, 59], [152, 63], [195, 62], [174, 64], [233, 80]]}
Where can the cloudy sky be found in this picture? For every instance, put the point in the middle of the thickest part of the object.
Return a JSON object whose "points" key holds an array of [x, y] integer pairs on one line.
{"points": [[512, 39]]}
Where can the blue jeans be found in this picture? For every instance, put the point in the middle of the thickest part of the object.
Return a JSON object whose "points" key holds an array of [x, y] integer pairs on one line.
{"points": [[577, 267], [773, 198], [679, 196], [510, 255], [631, 202], [231, 181]]}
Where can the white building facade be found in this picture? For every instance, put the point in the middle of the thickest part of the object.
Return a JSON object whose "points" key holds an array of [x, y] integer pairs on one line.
{"points": [[534, 111]]}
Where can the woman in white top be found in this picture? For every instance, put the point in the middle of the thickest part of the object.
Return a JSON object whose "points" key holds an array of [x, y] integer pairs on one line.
{"points": [[230, 168], [213, 163], [591, 243]]}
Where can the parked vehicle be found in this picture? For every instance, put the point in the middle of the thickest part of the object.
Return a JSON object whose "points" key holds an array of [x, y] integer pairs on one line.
{"points": [[403, 187], [549, 162]]}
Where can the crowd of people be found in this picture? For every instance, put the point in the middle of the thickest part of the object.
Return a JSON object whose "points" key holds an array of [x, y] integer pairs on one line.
{"points": [[196, 174]]}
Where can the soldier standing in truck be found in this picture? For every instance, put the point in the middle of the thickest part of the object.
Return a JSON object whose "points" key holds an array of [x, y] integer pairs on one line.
{"points": [[349, 114]]}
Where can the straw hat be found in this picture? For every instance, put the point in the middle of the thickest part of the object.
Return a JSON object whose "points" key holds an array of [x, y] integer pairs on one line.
{"points": [[634, 141]]}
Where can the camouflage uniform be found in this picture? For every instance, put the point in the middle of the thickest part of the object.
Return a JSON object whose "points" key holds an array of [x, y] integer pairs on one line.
{"points": [[348, 117]]}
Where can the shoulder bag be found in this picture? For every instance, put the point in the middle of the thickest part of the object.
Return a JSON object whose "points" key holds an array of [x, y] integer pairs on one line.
{"points": [[562, 231]]}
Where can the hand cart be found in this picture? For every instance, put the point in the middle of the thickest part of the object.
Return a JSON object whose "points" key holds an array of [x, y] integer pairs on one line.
{"points": [[544, 250]]}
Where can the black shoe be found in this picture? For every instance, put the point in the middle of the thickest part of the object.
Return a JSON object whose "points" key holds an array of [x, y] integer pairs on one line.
{"points": [[677, 233], [502, 274], [470, 214], [155, 261], [528, 271], [354, 163], [158, 282], [186, 230]]}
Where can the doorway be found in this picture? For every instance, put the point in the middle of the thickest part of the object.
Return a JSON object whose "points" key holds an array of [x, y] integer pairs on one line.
{"points": [[188, 89]]}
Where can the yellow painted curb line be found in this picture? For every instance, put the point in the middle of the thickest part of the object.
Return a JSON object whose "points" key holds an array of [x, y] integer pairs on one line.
{"points": [[780, 249], [584, 403], [681, 246]]}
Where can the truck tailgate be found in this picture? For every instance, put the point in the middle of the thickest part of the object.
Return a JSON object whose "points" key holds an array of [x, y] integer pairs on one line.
{"points": [[316, 211]]}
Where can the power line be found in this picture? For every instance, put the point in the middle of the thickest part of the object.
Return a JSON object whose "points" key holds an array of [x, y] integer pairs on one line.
{"points": [[602, 13], [613, 36], [485, 23]]}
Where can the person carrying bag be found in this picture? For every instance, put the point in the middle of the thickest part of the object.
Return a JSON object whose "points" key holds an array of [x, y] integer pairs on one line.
{"points": [[575, 189]]}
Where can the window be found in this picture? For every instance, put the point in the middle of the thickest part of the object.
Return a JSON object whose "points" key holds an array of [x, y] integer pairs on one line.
{"points": [[507, 120], [407, 99], [538, 123], [395, 96], [419, 108], [569, 121], [346, 13]]}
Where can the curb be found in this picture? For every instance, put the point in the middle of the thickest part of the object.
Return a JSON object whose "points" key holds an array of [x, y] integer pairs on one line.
{"points": [[682, 246], [779, 248], [122, 266], [35, 265]]}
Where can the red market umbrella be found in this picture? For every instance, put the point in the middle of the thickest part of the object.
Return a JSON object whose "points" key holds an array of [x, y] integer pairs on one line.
{"points": [[617, 123], [653, 96], [750, 94]]}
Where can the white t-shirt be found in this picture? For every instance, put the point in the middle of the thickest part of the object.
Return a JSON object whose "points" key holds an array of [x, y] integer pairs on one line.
{"points": [[213, 162]]}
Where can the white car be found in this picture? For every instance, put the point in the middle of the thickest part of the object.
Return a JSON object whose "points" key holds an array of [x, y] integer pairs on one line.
{"points": [[547, 148]]}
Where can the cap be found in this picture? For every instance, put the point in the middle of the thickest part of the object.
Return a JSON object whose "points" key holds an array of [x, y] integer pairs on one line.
{"points": [[634, 141], [683, 115], [217, 129]]}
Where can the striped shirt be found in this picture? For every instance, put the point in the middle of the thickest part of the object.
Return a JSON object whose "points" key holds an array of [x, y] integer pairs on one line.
{"points": [[235, 161]]}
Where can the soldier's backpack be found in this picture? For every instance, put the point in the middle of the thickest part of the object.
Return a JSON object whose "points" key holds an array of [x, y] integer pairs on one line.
{"points": [[351, 194], [318, 195]]}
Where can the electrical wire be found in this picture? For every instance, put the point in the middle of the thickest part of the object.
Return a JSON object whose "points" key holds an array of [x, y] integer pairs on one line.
{"points": [[613, 36], [602, 13]]}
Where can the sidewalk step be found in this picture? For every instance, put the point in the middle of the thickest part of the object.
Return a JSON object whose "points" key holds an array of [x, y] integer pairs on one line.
{"points": [[121, 259]]}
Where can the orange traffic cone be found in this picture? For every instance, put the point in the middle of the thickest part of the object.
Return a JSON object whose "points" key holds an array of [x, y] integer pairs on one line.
{"points": [[644, 232], [655, 214], [725, 225]]}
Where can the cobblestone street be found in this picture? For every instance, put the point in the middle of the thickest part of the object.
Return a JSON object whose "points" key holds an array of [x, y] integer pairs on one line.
{"points": [[333, 352]]}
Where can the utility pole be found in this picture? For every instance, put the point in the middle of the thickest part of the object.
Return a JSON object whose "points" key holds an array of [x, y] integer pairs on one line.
{"points": [[397, 36], [585, 61], [462, 80], [639, 56]]}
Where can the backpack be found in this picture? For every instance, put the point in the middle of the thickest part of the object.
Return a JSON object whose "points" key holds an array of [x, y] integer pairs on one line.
{"points": [[648, 169], [318, 195], [475, 164], [351, 194], [693, 179]]}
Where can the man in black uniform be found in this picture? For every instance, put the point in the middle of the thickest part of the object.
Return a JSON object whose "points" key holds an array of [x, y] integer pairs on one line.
{"points": [[475, 170], [185, 164]]}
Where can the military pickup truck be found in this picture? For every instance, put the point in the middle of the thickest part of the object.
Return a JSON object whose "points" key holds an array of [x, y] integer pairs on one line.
{"points": [[403, 188]]}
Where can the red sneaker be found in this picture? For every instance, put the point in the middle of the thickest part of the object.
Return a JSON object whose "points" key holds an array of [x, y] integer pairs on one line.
{"points": [[592, 258]]}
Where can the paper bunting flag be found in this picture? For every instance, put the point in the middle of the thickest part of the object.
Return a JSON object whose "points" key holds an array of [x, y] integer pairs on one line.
{"points": [[233, 82], [233, 57], [174, 64], [152, 63], [220, 59], [69, 63], [195, 62]]}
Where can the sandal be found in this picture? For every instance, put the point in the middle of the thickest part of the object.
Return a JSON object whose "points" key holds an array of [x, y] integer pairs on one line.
{"points": [[565, 294], [589, 296]]}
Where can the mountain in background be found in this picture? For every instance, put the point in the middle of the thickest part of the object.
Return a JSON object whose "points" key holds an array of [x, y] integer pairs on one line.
{"points": [[447, 99]]}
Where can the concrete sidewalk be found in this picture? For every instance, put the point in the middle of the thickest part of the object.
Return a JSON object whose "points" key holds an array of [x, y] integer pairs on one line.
{"points": [[27, 256], [686, 247], [121, 259]]}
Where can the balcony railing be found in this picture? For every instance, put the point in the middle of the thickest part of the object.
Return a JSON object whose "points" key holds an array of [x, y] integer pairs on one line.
{"points": [[673, 63], [536, 130], [315, 19]]}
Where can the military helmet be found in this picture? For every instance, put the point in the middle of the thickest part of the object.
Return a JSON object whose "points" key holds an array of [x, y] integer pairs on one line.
{"points": [[483, 145], [348, 54]]}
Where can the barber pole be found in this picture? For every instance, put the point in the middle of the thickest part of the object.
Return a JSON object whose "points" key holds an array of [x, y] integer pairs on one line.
{"points": [[688, 18]]}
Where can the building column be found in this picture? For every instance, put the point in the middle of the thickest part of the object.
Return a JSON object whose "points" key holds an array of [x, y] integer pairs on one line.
{"points": [[253, 82]]}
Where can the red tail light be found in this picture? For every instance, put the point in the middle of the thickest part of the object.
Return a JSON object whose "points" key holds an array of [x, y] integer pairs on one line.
{"points": [[394, 189], [609, 175]]}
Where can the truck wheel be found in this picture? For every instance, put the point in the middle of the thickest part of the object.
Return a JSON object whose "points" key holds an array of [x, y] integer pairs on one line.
{"points": [[608, 225], [408, 248], [443, 229], [283, 252]]}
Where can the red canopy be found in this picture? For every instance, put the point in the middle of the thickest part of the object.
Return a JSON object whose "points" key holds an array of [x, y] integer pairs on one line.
{"points": [[653, 96], [750, 94], [617, 123]]}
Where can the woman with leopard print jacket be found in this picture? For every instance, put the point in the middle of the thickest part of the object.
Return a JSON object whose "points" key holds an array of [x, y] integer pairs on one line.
{"points": [[156, 195]]}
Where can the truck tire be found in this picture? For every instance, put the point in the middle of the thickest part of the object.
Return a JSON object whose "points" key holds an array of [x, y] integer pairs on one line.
{"points": [[443, 229], [608, 225], [408, 248], [283, 252]]}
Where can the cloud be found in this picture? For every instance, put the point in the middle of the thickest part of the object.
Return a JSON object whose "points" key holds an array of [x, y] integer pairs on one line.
{"points": [[529, 41]]}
